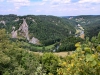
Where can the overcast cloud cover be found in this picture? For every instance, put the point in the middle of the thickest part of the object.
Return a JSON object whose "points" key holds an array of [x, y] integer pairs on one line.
{"points": [[50, 7]]}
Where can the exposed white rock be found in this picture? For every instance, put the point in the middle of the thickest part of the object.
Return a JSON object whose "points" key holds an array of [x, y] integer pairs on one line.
{"points": [[79, 19], [13, 28], [70, 18], [33, 20], [14, 34], [79, 31], [70, 32], [3, 22], [24, 29], [78, 25], [29, 18], [16, 20], [34, 41]]}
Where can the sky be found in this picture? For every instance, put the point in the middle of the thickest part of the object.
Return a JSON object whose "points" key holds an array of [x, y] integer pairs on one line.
{"points": [[50, 7]]}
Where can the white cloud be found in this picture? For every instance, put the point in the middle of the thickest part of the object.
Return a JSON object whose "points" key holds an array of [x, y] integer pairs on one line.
{"points": [[89, 1], [50, 7], [1, 0], [42, 3], [61, 1], [44, 0], [19, 3], [38, 10], [7, 10], [57, 1], [93, 8]]}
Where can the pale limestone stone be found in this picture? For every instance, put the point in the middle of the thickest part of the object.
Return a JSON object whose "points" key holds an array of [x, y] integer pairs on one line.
{"points": [[34, 40], [14, 34], [24, 29]]}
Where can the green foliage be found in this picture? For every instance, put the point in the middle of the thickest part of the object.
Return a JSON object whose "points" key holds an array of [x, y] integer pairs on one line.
{"points": [[15, 60], [84, 60], [92, 29], [48, 29], [6, 73], [50, 63], [68, 44], [90, 23]]}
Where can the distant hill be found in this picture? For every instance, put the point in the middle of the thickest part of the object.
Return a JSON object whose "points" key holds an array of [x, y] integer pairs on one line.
{"points": [[83, 19], [92, 29], [91, 23]]}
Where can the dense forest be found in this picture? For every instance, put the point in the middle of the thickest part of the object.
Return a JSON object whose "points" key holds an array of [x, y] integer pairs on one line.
{"points": [[56, 34]]}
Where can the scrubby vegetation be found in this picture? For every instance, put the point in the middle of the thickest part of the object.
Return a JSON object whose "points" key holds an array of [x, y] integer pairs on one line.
{"points": [[15, 60]]}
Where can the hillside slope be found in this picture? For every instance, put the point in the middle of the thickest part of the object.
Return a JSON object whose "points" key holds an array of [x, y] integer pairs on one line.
{"points": [[47, 29], [90, 23]]}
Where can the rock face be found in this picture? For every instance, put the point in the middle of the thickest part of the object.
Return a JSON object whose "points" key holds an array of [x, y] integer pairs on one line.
{"points": [[14, 34], [16, 20], [34, 41], [79, 31], [3, 22], [24, 29]]}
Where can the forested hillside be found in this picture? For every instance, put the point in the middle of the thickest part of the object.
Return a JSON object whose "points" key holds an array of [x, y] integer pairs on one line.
{"points": [[48, 29], [90, 23], [51, 32]]}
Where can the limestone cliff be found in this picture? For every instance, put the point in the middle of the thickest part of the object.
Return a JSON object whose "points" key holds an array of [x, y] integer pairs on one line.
{"points": [[79, 31], [24, 29], [14, 34]]}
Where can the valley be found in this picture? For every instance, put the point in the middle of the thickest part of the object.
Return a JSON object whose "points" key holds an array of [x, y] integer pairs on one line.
{"points": [[49, 32], [49, 45]]}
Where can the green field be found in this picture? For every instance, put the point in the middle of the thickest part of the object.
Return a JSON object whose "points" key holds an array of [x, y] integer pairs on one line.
{"points": [[36, 47], [46, 47]]}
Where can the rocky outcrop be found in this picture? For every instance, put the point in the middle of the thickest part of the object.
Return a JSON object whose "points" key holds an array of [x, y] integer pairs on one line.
{"points": [[34, 41], [33, 20], [79, 31], [24, 29], [16, 20], [14, 34], [3, 22]]}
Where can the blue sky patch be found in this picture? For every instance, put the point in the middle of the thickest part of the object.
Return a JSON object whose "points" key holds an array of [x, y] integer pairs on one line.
{"points": [[74, 0], [50, 7]]}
